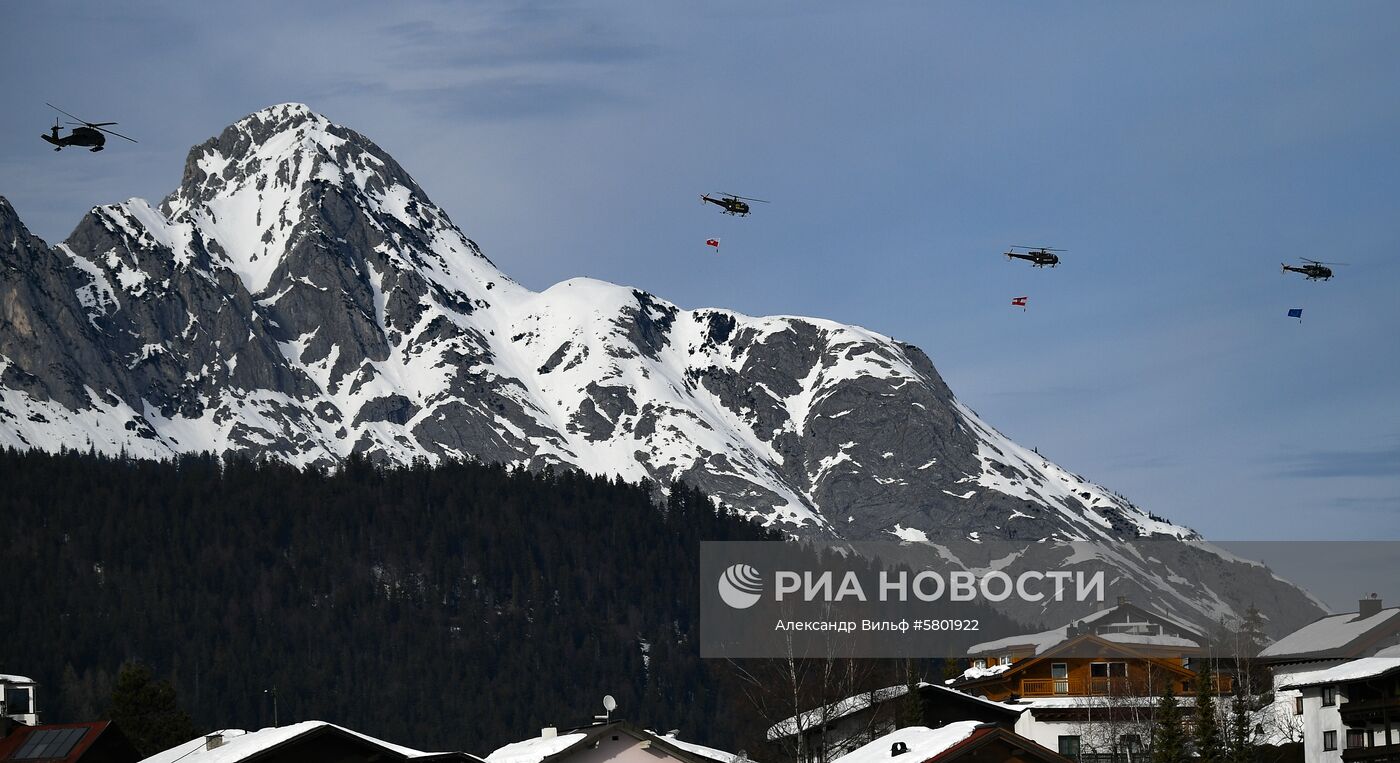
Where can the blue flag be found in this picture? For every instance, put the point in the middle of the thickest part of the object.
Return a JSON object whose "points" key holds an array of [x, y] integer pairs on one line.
{"points": [[1296, 312]]}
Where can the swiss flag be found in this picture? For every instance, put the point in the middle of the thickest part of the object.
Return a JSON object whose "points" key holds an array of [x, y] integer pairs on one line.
{"points": [[713, 242]]}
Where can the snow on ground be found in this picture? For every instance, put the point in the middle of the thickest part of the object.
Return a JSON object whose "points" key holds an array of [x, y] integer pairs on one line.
{"points": [[1041, 481]]}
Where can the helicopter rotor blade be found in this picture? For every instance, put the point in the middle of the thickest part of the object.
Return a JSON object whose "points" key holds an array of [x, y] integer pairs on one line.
{"points": [[119, 135], [99, 124], [55, 108]]}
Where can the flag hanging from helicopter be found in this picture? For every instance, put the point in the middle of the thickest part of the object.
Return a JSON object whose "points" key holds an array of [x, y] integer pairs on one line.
{"points": [[1296, 312], [1019, 302], [713, 242]]}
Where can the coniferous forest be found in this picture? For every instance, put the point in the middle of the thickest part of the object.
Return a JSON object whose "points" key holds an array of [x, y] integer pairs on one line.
{"points": [[452, 606], [460, 605]]}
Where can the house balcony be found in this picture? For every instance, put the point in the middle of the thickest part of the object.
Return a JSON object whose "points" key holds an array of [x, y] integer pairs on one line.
{"points": [[1099, 687], [1370, 711], [1389, 753]]}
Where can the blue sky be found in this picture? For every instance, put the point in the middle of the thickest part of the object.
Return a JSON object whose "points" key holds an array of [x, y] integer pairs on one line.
{"points": [[1180, 152]]}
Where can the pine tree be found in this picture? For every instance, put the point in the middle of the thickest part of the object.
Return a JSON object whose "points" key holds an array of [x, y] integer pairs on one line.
{"points": [[1168, 739], [147, 711], [911, 706], [1207, 736], [1241, 745]]}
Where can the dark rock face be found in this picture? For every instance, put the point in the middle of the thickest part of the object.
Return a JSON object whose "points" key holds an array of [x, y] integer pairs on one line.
{"points": [[299, 297]]}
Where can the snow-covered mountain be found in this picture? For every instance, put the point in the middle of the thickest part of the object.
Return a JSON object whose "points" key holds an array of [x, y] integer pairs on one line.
{"points": [[300, 297]]}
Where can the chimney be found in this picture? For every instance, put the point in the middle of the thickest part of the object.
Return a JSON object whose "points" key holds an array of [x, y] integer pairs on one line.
{"points": [[1370, 606], [898, 748], [549, 732], [214, 740]]}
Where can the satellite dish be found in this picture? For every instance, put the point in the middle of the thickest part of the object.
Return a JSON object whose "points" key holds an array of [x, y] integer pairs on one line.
{"points": [[609, 703]]}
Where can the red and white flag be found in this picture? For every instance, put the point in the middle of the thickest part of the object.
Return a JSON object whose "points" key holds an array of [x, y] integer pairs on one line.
{"points": [[713, 242], [1019, 302]]}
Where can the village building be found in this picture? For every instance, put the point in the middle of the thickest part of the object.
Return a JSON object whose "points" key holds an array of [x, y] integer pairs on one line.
{"points": [[1088, 689], [1337, 686]]}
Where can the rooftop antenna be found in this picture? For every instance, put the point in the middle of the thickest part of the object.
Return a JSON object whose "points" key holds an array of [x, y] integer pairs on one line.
{"points": [[273, 692], [609, 705]]}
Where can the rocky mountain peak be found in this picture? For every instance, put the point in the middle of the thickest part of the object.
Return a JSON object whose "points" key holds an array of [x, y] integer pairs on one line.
{"points": [[299, 297]]}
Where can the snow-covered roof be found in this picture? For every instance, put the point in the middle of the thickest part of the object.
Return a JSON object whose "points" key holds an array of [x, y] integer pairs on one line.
{"points": [[1044, 641], [239, 745], [858, 702], [976, 672], [1330, 636], [1351, 670], [535, 750], [6, 678], [841, 709], [924, 743], [1139, 638], [541, 747], [701, 750]]}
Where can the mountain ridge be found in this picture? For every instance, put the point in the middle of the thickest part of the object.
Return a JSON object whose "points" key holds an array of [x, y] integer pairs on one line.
{"points": [[299, 297]]}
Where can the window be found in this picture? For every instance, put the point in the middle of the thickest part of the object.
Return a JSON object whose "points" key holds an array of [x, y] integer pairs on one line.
{"points": [[1297, 705], [1060, 672], [1130, 743], [1108, 669], [1069, 747], [1005, 659], [18, 700], [1356, 738], [1329, 740], [1329, 697], [979, 663]]}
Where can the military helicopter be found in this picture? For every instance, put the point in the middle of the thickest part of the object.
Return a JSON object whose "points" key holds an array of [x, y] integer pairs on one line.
{"points": [[84, 133], [1038, 256], [733, 205], [1313, 270]]}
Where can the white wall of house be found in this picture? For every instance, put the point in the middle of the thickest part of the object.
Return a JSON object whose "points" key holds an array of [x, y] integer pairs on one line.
{"points": [[1044, 733], [1318, 719], [1094, 731]]}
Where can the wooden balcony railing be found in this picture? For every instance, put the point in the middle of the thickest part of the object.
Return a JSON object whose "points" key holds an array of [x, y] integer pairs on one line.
{"points": [[1366, 711], [1380, 754], [1100, 687]]}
